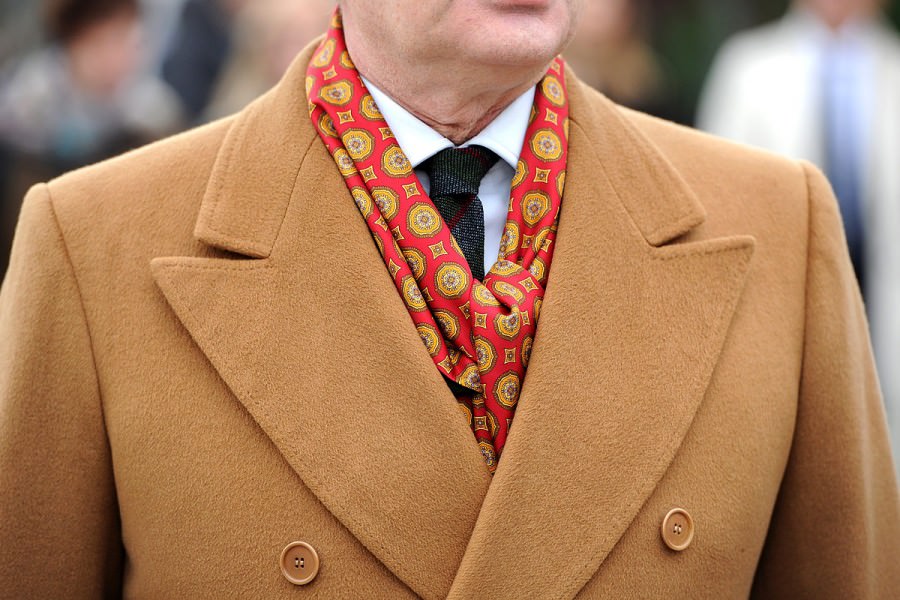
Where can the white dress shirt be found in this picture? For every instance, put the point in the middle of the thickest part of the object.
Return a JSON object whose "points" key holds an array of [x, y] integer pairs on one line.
{"points": [[504, 136]]}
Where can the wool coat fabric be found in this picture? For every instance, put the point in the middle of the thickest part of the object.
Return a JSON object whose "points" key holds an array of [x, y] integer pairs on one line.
{"points": [[203, 359]]}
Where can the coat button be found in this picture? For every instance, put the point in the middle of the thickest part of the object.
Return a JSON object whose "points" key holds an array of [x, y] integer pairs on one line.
{"points": [[678, 529], [299, 563]]}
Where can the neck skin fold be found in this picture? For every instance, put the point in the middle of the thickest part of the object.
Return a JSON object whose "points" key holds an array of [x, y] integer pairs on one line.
{"points": [[456, 101]]}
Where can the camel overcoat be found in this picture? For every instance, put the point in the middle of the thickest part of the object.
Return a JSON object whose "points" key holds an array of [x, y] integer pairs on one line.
{"points": [[203, 359]]}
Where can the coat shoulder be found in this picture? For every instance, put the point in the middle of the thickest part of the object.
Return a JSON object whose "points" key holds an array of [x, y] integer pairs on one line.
{"points": [[144, 198], [167, 163], [691, 150], [736, 189], [717, 169], [740, 186]]}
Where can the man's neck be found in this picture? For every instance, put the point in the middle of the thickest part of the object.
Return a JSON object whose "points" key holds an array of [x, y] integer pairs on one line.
{"points": [[457, 116], [457, 103]]}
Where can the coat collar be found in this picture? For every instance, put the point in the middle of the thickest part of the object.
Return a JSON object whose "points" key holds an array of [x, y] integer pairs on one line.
{"points": [[257, 167], [313, 339]]}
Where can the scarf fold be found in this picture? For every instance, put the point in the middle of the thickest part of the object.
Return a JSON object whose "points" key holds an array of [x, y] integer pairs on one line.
{"points": [[478, 333]]}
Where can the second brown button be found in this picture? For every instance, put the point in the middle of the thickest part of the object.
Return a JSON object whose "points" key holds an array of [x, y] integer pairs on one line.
{"points": [[299, 563], [678, 529]]}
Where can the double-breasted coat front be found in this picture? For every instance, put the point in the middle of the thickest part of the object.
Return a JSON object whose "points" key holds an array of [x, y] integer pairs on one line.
{"points": [[204, 359]]}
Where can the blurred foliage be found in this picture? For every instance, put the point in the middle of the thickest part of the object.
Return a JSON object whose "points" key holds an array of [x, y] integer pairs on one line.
{"points": [[894, 12]]}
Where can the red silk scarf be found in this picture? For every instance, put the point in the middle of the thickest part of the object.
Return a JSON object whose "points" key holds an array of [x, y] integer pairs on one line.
{"points": [[479, 333]]}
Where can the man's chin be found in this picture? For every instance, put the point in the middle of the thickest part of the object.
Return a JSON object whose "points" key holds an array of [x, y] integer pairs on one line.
{"points": [[514, 51]]}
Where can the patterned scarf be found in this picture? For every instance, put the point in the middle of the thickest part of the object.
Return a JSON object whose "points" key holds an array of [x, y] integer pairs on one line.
{"points": [[479, 333]]}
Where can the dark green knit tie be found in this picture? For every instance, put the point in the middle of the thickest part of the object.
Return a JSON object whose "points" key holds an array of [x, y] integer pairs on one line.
{"points": [[456, 175]]}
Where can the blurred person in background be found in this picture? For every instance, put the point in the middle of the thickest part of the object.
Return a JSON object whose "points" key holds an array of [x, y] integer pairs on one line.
{"points": [[159, 19], [200, 48], [823, 84], [20, 28], [267, 35], [611, 52], [77, 100]]}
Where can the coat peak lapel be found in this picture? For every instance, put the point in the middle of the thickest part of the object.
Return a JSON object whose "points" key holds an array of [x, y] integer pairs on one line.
{"points": [[628, 339], [315, 342]]}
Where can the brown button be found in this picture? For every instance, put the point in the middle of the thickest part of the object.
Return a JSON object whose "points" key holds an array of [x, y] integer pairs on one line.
{"points": [[299, 563], [678, 529]]}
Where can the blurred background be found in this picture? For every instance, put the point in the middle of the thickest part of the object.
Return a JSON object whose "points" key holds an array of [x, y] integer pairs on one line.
{"points": [[82, 80]]}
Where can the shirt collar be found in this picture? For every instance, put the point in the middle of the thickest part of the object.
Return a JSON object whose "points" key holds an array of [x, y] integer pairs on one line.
{"points": [[504, 135]]}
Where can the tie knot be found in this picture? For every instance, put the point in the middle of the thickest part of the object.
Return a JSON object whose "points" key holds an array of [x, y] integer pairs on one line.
{"points": [[458, 171]]}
